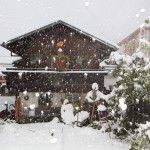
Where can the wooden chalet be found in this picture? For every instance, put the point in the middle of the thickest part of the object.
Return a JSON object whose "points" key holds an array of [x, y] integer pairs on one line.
{"points": [[58, 61]]}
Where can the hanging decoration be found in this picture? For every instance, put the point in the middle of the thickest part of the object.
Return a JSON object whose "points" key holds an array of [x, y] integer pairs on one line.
{"points": [[60, 43], [26, 97]]}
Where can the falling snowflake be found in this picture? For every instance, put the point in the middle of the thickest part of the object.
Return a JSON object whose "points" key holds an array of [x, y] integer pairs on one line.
{"points": [[86, 4], [85, 74], [143, 10], [25, 92], [53, 140], [137, 15], [142, 25], [46, 68]]}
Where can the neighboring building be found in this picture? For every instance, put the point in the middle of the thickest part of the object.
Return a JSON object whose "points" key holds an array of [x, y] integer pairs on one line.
{"points": [[58, 61], [138, 40], [6, 61]]}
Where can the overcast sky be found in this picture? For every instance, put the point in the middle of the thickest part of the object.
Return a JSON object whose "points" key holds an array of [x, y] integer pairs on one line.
{"points": [[110, 20]]}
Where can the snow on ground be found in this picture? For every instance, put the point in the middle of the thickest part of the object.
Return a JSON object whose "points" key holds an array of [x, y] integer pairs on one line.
{"points": [[55, 136]]}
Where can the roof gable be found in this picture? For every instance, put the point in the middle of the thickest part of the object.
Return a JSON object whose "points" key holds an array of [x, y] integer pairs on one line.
{"points": [[61, 23]]}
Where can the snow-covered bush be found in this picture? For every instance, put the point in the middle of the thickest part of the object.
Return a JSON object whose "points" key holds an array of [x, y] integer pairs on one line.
{"points": [[55, 120], [81, 118], [131, 92], [141, 139], [138, 142]]}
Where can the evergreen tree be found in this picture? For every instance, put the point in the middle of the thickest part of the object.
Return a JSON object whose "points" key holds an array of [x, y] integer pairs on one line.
{"points": [[132, 92]]}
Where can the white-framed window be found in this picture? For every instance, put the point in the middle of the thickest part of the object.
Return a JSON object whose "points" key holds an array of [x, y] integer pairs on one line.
{"points": [[143, 34]]}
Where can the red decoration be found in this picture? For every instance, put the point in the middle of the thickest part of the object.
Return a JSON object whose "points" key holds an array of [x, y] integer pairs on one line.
{"points": [[60, 62]]}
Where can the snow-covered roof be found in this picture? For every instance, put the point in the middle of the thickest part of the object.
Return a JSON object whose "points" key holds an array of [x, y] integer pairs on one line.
{"points": [[114, 46]]}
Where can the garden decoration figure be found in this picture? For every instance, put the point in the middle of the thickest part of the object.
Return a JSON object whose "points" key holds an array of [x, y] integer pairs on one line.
{"points": [[93, 97]]}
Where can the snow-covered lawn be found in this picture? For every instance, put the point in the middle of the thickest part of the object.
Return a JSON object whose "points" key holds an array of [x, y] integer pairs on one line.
{"points": [[55, 136]]}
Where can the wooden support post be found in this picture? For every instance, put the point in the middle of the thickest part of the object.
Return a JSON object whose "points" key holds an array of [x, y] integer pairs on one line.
{"points": [[93, 108], [82, 100], [17, 109]]}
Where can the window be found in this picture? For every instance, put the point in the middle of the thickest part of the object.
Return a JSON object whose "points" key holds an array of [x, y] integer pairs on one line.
{"points": [[45, 100], [143, 34]]}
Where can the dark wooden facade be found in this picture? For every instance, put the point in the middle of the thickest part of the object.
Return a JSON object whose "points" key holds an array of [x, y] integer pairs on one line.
{"points": [[57, 58], [62, 82], [38, 50]]}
